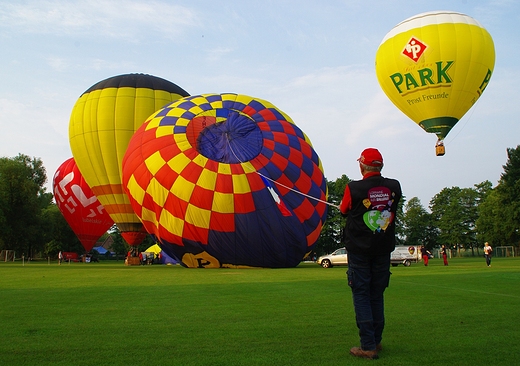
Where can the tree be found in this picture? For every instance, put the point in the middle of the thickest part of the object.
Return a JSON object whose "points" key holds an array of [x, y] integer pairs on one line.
{"points": [[22, 197], [509, 192], [500, 211], [468, 200], [57, 234], [399, 222], [417, 226], [119, 246], [330, 237], [454, 211], [489, 222]]}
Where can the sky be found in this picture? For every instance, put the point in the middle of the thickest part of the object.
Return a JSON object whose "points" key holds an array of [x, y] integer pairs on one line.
{"points": [[314, 60]]}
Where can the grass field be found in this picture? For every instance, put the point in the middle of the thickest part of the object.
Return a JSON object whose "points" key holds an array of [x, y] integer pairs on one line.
{"points": [[109, 314]]}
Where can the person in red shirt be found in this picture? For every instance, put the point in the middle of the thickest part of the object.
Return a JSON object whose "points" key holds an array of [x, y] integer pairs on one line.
{"points": [[370, 206]]}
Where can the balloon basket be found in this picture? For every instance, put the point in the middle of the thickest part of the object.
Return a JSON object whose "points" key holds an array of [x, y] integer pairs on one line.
{"points": [[132, 261], [440, 150]]}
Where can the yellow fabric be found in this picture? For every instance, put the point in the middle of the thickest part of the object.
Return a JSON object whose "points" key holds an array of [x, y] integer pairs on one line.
{"points": [[101, 126], [449, 76]]}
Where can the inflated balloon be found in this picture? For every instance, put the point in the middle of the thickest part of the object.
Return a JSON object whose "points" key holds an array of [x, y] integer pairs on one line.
{"points": [[434, 66], [102, 122], [78, 204], [226, 180]]}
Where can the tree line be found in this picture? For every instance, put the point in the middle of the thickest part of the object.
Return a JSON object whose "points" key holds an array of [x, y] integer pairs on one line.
{"points": [[30, 222], [460, 218]]}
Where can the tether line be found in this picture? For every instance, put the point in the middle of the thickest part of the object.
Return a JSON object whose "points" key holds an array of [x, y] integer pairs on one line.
{"points": [[278, 183]]}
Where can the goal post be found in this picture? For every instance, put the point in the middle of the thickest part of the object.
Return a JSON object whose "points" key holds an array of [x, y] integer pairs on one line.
{"points": [[504, 251]]}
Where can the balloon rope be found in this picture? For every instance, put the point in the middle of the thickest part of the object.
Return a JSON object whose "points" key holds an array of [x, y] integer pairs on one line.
{"points": [[466, 120], [278, 183]]}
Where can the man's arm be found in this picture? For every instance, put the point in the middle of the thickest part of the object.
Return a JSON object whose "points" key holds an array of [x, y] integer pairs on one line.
{"points": [[346, 203]]}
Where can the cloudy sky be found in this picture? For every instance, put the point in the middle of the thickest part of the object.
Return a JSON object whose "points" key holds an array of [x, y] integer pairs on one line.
{"points": [[312, 59]]}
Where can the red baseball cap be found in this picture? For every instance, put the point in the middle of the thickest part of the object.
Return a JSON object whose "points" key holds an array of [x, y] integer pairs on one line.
{"points": [[371, 157]]}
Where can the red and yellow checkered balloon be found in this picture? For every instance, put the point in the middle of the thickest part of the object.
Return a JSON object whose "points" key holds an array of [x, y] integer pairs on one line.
{"points": [[226, 180]]}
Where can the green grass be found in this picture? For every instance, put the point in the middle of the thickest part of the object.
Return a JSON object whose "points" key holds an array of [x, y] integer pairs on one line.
{"points": [[109, 314]]}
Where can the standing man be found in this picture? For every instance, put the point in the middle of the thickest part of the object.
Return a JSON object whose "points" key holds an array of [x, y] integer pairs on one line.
{"points": [[425, 253], [370, 206]]}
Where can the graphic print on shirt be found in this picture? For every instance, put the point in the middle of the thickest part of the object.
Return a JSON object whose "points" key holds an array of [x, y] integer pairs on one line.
{"points": [[379, 203]]}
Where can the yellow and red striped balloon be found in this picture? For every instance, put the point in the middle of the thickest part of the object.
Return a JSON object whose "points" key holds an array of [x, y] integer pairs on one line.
{"points": [[102, 122]]}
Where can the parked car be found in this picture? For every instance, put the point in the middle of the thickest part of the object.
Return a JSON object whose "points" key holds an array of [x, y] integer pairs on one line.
{"points": [[336, 258], [401, 255]]}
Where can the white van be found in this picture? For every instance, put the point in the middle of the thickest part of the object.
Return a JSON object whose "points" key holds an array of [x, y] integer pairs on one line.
{"points": [[405, 255]]}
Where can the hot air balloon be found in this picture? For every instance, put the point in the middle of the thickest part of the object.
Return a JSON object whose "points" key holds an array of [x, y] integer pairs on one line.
{"points": [[102, 122], [226, 180], [434, 66], [80, 207]]}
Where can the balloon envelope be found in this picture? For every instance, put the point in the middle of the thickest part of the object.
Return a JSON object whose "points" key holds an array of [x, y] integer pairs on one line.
{"points": [[102, 122], [226, 180], [156, 249], [434, 66], [78, 204]]}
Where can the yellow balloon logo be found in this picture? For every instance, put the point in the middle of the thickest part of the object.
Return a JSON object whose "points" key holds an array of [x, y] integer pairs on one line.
{"points": [[434, 66]]}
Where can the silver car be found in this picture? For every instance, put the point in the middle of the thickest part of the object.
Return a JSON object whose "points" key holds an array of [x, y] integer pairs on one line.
{"points": [[336, 258]]}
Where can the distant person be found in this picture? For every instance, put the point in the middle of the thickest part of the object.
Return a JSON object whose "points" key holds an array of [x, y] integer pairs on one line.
{"points": [[60, 257], [370, 206], [425, 255], [488, 251], [444, 255]]}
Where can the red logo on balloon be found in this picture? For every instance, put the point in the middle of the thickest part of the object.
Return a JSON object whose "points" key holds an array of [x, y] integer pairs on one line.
{"points": [[414, 49], [80, 207]]}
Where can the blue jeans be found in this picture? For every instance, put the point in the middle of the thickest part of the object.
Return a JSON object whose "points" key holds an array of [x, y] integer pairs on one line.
{"points": [[369, 276], [488, 259]]}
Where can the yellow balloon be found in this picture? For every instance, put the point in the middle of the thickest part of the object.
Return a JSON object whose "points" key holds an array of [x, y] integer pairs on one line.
{"points": [[434, 66], [102, 122]]}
